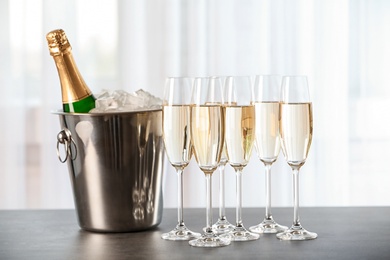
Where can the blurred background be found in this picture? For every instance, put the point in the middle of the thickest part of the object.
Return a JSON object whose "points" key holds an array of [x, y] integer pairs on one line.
{"points": [[341, 45]]}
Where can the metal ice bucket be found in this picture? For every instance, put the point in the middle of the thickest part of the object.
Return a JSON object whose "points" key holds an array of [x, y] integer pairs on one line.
{"points": [[115, 163]]}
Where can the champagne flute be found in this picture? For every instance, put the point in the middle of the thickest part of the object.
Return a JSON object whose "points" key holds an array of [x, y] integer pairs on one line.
{"points": [[177, 140], [267, 94], [222, 225], [296, 130], [239, 138], [207, 135]]}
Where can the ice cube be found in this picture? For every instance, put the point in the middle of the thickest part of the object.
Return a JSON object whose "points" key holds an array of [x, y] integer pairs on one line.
{"points": [[120, 100]]}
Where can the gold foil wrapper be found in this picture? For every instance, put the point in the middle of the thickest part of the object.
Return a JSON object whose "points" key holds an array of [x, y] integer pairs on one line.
{"points": [[73, 86], [58, 42]]}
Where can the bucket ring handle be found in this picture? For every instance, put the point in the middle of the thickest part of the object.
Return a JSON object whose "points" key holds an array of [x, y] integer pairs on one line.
{"points": [[65, 137]]}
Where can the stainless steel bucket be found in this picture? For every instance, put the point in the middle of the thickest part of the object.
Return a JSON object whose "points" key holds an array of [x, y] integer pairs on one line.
{"points": [[115, 163]]}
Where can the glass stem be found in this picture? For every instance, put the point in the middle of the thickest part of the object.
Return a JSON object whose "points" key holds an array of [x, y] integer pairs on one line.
{"points": [[296, 196], [239, 198], [180, 221], [222, 214], [209, 217], [268, 213]]}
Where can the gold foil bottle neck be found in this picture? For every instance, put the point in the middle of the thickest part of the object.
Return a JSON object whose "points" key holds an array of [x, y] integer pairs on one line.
{"points": [[73, 87], [58, 42]]}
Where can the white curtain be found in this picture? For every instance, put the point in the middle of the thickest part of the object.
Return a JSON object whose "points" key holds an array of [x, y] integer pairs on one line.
{"points": [[342, 46]]}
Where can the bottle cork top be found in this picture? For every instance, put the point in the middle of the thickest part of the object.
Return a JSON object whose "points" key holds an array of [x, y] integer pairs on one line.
{"points": [[58, 42]]}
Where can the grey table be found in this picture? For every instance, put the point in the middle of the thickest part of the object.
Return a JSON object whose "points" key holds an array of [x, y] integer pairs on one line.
{"points": [[343, 233]]}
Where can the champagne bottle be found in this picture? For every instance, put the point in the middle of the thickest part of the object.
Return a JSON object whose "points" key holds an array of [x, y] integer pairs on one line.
{"points": [[76, 96]]}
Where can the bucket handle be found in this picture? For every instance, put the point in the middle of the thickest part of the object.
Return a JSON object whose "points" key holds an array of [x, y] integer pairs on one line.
{"points": [[65, 137]]}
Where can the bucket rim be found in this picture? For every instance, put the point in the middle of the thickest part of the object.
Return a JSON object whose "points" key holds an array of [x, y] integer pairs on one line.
{"points": [[60, 112]]}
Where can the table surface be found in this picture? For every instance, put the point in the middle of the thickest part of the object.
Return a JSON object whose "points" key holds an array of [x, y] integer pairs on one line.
{"points": [[343, 233]]}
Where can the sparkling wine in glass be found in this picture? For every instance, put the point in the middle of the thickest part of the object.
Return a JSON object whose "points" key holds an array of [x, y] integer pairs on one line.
{"points": [[266, 100], [208, 136], [239, 139], [296, 130], [222, 225], [177, 141]]}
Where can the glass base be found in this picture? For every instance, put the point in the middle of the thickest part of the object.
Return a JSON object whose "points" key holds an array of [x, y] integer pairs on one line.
{"points": [[211, 240], [180, 232], [296, 233], [268, 226], [222, 226], [241, 234]]}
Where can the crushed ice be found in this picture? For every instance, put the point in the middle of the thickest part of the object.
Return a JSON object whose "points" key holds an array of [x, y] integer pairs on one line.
{"points": [[122, 101]]}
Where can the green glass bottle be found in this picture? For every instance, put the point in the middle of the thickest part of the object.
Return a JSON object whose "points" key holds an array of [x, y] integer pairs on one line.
{"points": [[76, 96]]}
